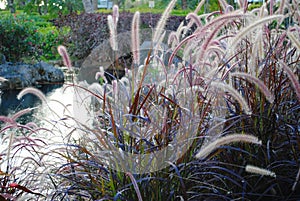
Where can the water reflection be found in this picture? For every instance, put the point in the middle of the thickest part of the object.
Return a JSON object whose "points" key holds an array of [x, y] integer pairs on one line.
{"points": [[9, 103]]}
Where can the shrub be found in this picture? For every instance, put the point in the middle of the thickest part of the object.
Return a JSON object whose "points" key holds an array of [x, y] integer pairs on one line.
{"points": [[51, 38], [30, 38], [19, 37]]}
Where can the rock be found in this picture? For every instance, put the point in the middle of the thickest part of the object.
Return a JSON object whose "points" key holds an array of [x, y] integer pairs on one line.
{"points": [[114, 63], [22, 75]]}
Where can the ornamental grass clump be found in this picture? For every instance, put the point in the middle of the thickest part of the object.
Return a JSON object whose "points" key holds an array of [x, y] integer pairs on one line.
{"points": [[21, 162], [222, 123], [219, 120]]}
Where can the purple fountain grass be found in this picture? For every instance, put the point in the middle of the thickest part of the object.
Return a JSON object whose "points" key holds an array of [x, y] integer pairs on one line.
{"points": [[113, 33], [264, 89], [293, 38], [207, 41], [235, 94], [220, 21], [208, 149], [194, 18], [281, 7], [223, 4], [143, 117], [64, 54], [135, 38], [7, 120], [253, 26], [199, 6], [173, 39], [115, 14], [22, 112], [292, 77], [33, 91], [260, 171], [162, 22], [136, 188]]}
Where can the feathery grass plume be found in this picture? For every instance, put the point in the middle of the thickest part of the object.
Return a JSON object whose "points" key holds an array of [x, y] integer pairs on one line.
{"points": [[115, 14], [204, 152], [2, 79], [239, 3], [136, 188], [221, 20], [162, 22], [229, 9], [263, 11], [223, 4], [21, 113], [225, 18], [100, 75], [259, 47], [257, 24], [245, 5], [199, 6], [270, 97], [207, 41], [135, 38], [34, 91], [271, 5], [113, 33], [62, 50], [7, 120], [234, 93], [194, 19], [115, 88], [281, 6], [294, 40], [173, 39], [292, 77], [258, 170]]}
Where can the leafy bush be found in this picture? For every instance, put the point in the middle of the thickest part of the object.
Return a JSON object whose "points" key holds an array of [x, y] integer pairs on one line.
{"points": [[19, 37], [28, 38], [52, 37]]}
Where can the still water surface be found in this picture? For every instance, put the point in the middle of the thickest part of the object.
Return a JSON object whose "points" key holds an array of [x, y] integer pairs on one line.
{"points": [[52, 115]]}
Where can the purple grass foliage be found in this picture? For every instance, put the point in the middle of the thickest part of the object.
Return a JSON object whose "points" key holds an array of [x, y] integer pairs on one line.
{"points": [[213, 116]]}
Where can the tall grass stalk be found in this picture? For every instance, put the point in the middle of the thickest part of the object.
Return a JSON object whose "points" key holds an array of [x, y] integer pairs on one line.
{"points": [[204, 152]]}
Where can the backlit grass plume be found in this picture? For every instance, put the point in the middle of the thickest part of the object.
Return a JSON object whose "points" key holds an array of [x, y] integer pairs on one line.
{"points": [[65, 56], [33, 91], [161, 24], [208, 149], [135, 27]]}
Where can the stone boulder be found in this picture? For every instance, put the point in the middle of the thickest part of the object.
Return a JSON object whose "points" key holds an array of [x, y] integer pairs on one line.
{"points": [[20, 75]]}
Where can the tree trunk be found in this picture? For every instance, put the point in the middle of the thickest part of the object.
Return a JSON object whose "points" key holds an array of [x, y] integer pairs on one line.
{"points": [[88, 6], [184, 4]]}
